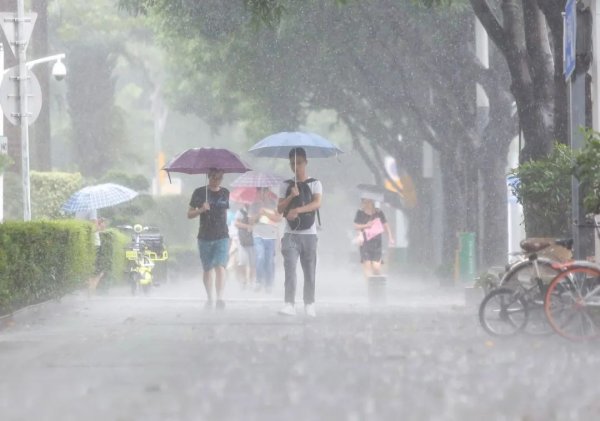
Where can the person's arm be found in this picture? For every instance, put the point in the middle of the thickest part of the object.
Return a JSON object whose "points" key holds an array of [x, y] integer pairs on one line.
{"points": [[283, 203], [363, 226], [271, 214], [358, 225], [389, 234], [309, 207], [242, 225], [195, 211]]}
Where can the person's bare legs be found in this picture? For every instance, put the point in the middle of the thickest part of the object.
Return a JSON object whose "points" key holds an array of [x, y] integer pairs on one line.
{"points": [[371, 268], [367, 269], [220, 281], [208, 284], [376, 268]]}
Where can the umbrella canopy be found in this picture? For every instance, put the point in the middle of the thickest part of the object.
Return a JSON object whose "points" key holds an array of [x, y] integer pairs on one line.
{"points": [[279, 145], [201, 160], [97, 197], [257, 179], [247, 195], [381, 194]]}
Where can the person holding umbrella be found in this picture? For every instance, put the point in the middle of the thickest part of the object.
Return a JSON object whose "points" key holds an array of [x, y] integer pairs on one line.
{"points": [[266, 234], [210, 203], [299, 199]]}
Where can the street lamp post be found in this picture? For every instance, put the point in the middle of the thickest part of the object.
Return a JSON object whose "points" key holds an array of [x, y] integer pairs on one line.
{"points": [[17, 28], [24, 116]]}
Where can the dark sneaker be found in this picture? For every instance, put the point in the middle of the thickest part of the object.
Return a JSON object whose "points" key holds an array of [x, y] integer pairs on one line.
{"points": [[220, 305]]}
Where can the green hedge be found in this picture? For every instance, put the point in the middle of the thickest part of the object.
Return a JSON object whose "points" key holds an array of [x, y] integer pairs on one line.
{"points": [[42, 260], [111, 256]]}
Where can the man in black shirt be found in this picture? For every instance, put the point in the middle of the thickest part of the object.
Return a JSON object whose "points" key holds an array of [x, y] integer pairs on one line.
{"points": [[211, 203]]}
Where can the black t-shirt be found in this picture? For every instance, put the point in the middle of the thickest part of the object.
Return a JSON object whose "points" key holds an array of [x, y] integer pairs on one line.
{"points": [[362, 218], [213, 224]]}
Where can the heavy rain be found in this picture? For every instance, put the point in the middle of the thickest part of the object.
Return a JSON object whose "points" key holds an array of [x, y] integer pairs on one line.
{"points": [[299, 210]]}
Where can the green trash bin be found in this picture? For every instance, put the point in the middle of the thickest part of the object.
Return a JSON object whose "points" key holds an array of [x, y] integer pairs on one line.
{"points": [[466, 256]]}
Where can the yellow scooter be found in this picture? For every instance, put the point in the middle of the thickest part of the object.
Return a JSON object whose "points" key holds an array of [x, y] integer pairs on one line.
{"points": [[140, 262]]}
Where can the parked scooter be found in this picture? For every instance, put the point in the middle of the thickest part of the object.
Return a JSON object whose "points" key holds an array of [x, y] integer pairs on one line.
{"points": [[140, 262]]}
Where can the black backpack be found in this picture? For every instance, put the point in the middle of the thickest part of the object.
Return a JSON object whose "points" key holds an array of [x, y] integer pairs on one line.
{"points": [[304, 220], [245, 236]]}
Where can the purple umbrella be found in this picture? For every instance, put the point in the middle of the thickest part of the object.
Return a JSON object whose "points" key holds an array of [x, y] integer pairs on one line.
{"points": [[201, 160]]}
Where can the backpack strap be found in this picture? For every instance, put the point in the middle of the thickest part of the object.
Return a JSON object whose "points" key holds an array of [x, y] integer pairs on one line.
{"points": [[310, 180], [307, 181]]}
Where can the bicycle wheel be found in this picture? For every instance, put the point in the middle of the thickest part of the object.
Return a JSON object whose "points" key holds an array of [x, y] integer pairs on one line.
{"points": [[503, 312], [522, 276], [572, 303], [523, 273]]}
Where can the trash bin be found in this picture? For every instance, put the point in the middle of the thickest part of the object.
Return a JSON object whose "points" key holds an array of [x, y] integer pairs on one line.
{"points": [[377, 289], [466, 256]]}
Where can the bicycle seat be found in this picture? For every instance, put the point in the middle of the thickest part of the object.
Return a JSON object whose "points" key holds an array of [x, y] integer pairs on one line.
{"points": [[534, 245]]}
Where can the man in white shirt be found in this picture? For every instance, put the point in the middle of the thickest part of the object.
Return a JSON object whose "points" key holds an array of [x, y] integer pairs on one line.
{"points": [[299, 199]]}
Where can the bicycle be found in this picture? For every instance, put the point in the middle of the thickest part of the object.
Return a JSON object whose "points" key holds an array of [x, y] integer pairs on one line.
{"points": [[516, 303], [572, 301]]}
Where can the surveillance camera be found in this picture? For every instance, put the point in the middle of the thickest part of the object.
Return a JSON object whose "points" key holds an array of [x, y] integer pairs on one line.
{"points": [[59, 71]]}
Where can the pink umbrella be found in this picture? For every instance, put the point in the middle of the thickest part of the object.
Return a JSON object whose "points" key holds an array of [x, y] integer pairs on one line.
{"points": [[257, 179], [247, 195]]}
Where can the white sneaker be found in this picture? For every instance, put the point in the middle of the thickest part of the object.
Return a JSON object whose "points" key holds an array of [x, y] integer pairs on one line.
{"points": [[309, 309], [288, 310]]}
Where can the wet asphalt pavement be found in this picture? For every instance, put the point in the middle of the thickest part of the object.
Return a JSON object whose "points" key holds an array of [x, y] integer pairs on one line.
{"points": [[422, 356]]}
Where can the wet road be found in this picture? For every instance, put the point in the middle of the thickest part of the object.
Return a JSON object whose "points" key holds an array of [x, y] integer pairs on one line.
{"points": [[421, 357]]}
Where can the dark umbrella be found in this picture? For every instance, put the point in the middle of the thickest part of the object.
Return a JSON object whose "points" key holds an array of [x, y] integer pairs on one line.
{"points": [[381, 194]]}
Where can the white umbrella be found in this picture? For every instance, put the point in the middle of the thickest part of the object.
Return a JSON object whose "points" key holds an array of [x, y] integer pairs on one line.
{"points": [[97, 197]]}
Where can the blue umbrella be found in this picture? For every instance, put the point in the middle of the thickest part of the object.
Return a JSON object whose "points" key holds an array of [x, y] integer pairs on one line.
{"points": [[97, 197], [279, 145]]}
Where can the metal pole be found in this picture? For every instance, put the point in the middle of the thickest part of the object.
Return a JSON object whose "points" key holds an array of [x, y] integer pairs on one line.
{"points": [[22, 63], [482, 119]]}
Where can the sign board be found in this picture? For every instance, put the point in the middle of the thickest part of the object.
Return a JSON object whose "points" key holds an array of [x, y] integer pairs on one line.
{"points": [[8, 22], [569, 38], [9, 96]]}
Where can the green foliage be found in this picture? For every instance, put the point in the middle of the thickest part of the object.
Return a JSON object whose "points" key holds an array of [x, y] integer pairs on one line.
{"points": [[137, 182], [98, 126], [111, 256], [543, 187], [5, 162], [13, 196], [169, 216], [33, 268], [587, 171], [50, 190]]}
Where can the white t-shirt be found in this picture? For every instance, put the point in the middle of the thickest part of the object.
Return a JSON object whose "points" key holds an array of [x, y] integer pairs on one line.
{"points": [[315, 188], [264, 227]]}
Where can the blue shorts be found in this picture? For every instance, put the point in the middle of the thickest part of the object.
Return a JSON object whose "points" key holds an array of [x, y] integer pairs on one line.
{"points": [[213, 253]]}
